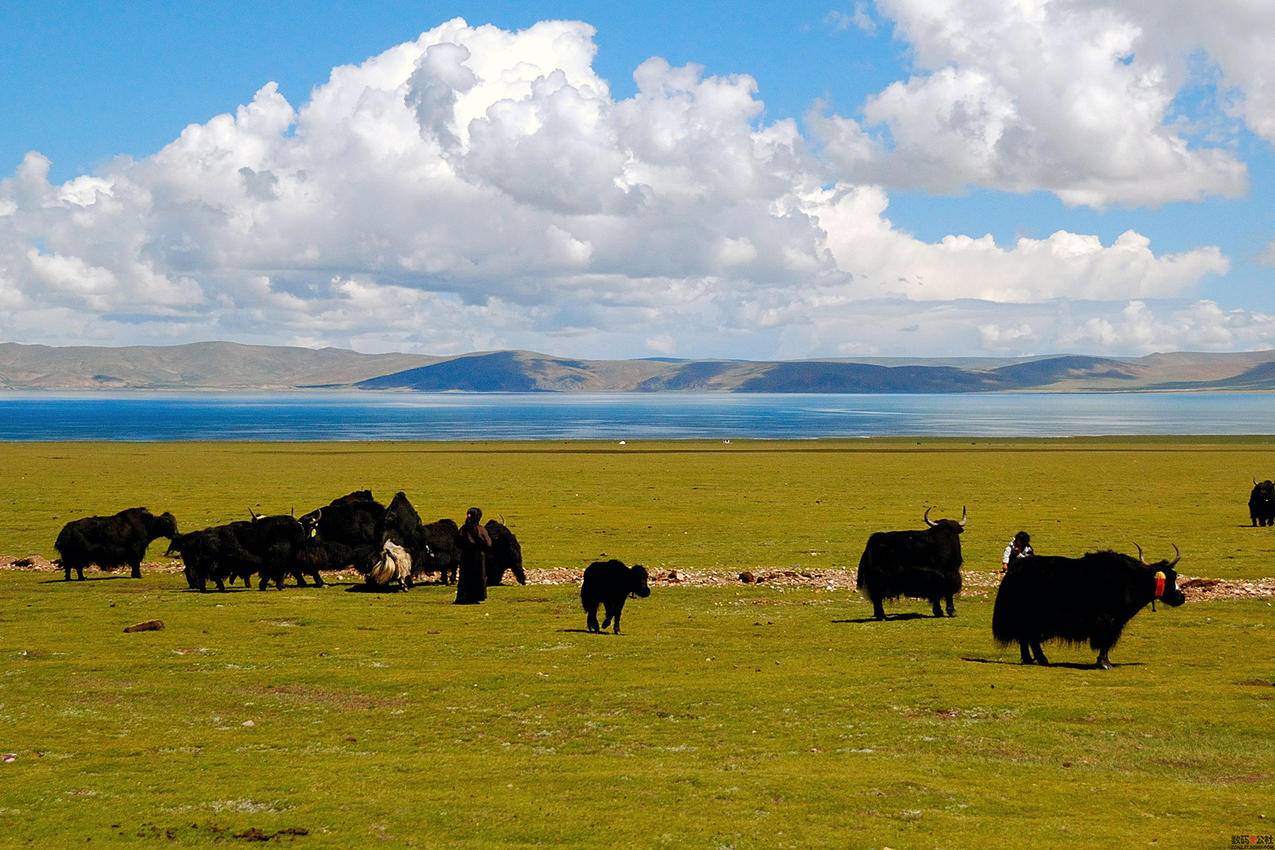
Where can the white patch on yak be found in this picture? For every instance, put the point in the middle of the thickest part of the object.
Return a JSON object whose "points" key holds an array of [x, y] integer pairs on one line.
{"points": [[393, 565]]}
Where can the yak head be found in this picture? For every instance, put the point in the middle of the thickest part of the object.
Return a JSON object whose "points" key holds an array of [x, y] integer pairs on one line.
{"points": [[638, 582], [1264, 491], [515, 562], [164, 525], [950, 524], [1166, 579], [310, 522], [175, 545]]}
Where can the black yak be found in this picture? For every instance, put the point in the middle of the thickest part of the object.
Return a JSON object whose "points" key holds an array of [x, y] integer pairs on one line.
{"points": [[111, 541], [316, 556], [1090, 598], [609, 584], [441, 550], [401, 526], [355, 519], [266, 545], [276, 540], [214, 554], [1261, 503], [506, 554], [918, 564]]}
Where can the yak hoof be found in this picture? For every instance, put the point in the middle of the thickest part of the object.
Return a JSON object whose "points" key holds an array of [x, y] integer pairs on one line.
{"points": [[1103, 664]]}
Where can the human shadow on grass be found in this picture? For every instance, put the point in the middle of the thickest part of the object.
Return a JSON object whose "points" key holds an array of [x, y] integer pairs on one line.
{"points": [[1066, 665], [909, 615]]}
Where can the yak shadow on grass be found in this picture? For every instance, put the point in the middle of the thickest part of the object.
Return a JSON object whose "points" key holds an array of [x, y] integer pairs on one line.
{"points": [[364, 587], [86, 579], [214, 591], [910, 615], [1066, 665]]}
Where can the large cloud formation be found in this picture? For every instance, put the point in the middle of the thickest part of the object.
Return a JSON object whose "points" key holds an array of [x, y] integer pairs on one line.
{"points": [[480, 188], [1082, 98]]}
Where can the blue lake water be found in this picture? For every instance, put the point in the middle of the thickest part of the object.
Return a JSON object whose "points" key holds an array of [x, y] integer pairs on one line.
{"points": [[451, 416]]}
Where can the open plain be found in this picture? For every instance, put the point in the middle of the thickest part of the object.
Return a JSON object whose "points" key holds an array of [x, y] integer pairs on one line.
{"points": [[759, 715]]}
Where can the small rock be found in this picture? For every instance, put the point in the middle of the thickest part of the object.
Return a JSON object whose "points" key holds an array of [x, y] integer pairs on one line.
{"points": [[23, 563], [9, 758], [747, 578], [147, 626], [249, 723], [673, 576]]}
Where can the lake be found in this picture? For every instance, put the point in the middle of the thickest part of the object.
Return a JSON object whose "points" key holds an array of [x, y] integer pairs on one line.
{"points": [[27, 416]]}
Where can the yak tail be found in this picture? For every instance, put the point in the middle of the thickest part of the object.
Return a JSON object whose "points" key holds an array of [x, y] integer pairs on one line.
{"points": [[1004, 620], [865, 560]]}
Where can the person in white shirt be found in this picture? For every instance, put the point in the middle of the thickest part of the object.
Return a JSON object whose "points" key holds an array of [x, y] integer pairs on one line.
{"points": [[1019, 547]]}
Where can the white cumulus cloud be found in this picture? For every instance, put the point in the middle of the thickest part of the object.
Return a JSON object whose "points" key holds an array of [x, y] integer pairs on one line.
{"points": [[482, 188], [1075, 97]]}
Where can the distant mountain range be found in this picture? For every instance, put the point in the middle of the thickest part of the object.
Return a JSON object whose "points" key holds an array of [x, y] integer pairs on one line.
{"points": [[230, 366]]}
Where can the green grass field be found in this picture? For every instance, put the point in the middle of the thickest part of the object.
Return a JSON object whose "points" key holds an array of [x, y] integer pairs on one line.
{"points": [[736, 717]]}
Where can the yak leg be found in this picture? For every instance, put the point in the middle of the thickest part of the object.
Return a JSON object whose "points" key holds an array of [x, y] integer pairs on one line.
{"points": [[66, 569], [877, 611], [591, 621], [79, 572], [619, 609], [938, 612], [265, 582], [610, 614], [1025, 652], [951, 606], [1040, 654], [1103, 662], [137, 569]]}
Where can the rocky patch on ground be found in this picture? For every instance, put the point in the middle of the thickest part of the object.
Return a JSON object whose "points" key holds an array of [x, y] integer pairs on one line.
{"points": [[977, 582]]}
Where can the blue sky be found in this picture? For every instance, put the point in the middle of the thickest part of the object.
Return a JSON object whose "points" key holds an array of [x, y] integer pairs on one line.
{"points": [[86, 84]]}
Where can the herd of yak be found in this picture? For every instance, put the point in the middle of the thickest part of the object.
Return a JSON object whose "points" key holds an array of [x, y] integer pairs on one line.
{"points": [[1041, 597]]}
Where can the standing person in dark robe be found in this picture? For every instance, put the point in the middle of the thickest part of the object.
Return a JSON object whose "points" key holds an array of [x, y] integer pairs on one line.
{"points": [[475, 543]]}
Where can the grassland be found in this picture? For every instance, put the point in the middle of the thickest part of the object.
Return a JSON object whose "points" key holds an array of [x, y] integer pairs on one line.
{"points": [[726, 717]]}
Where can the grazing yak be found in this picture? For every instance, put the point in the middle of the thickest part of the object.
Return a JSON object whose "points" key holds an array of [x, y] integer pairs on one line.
{"points": [[1261, 503], [505, 554], [441, 550], [214, 554], [111, 541], [402, 526], [319, 556], [267, 546], [918, 564], [610, 583], [392, 567], [276, 540], [1090, 598]]}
